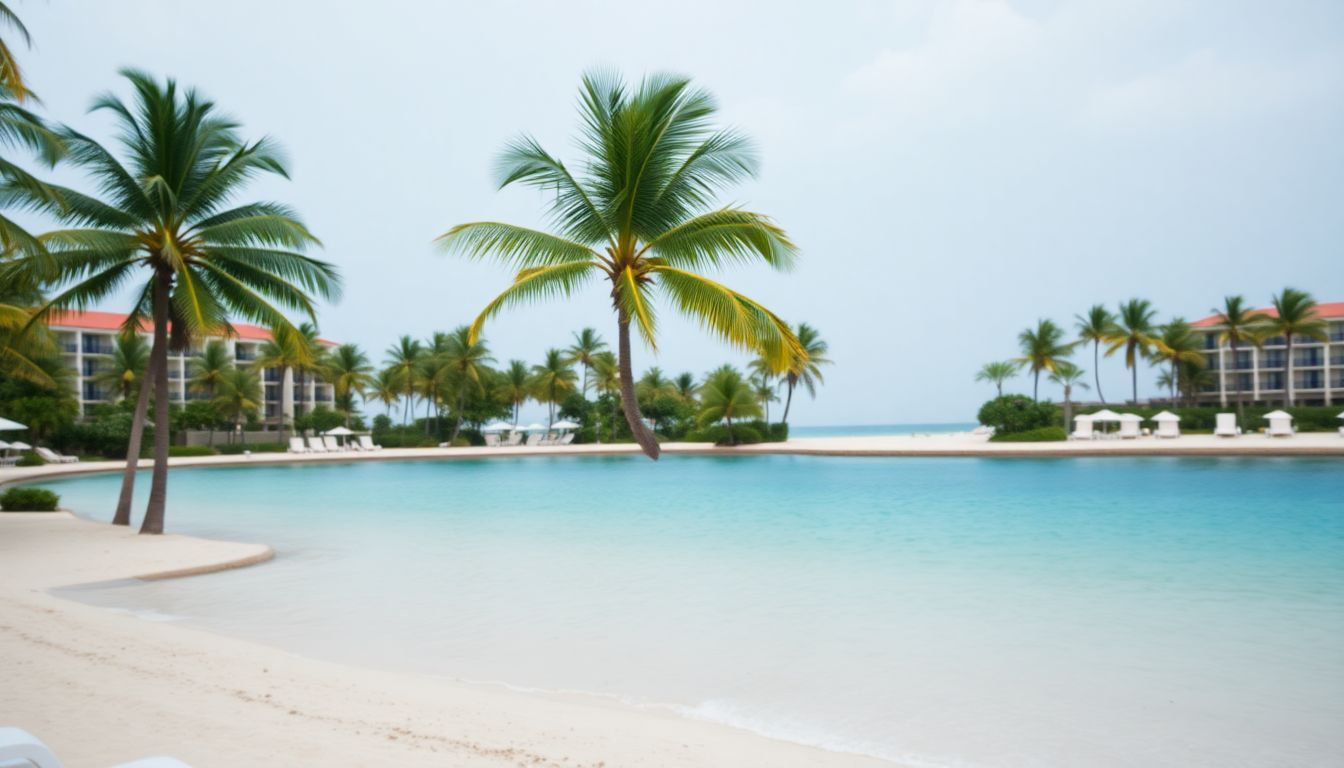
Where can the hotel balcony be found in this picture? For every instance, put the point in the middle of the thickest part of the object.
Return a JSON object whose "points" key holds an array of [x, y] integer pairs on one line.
{"points": [[98, 346]]}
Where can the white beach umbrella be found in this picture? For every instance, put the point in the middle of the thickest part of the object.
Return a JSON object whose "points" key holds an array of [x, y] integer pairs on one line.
{"points": [[1130, 417], [565, 424], [1165, 416], [1277, 415], [10, 426], [3, 445], [535, 427], [19, 446], [497, 426], [1105, 414], [342, 431]]}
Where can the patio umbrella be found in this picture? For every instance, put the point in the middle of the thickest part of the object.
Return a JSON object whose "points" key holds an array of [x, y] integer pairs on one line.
{"points": [[1105, 414], [339, 431], [535, 427], [1165, 416], [18, 446], [498, 426], [566, 424], [10, 426]]}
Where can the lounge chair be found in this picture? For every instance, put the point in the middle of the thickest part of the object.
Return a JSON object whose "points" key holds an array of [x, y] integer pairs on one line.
{"points": [[1082, 429], [517, 438], [492, 440], [1225, 425], [333, 446], [366, 443], [315, 445], [1168, 429], [1129, 429], [536, 438], [565, 439], [1280, 424], [20, 748], [10, 461], [296, 445], [52, 457]]}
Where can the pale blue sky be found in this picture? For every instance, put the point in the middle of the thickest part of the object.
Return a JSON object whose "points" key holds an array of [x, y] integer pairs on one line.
{"points": [[951, 170]]}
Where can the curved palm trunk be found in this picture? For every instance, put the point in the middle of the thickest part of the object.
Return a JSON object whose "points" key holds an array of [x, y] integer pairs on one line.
{"points": [[1096, 370], [1134, 376], [123, 513], [646, 439], [1036, 385], [158, 484], [1288, 371], [788, 400]]}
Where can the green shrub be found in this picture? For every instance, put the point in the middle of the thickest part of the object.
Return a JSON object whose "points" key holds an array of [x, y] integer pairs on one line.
{"points": [[29, 500], [191, 450], [1011, 414], [31, 459], [235, 449], [1037, 435], [743, 434]]}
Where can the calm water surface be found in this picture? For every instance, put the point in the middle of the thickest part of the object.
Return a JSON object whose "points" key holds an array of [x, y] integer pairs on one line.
{"points": [[941, 612]]}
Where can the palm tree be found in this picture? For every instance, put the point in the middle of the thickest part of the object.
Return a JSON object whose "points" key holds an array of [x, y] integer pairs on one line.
{"points": [[1097, 326], [1135, 333], [168, 217], [517, 386], [552, 380], [640, 215], [685, 386], [207, 371], [130, 360], [21, 128], [403, 358], [350, 374], [1068, 375], [1295, 317], [607, 381], [1240, 325], [726, 396], [240, 394], [587, 343], [805, 365], [997, 373], [11, 77], [1043, 349], [386, 387], [1179, 346], [288, 352], [466, 357], [765, 394], [25, 347]]}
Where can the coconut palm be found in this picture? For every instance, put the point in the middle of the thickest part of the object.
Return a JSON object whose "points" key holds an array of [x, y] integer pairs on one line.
{"points": [[350, 374], [207, 370], [725, 396], [1295, 316], [1043, 349], [1097, 326], [517, 386], [240, 395], [11, 76], [685, 386], [125, 374], [1068, 376], [25, 347], [288, 352], [1239, 324], [805, 365], [997, 373], [587, 343], [640, 216], [1179, 346], [386, 387], [465, 357], [403, 358], [1135, 333], [169, 216], [552, 380], [20, 128], [607, 381], [765, 394]]}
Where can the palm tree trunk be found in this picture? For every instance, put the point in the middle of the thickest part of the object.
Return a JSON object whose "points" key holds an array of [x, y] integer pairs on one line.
{"points": [[1134, 375], [1236, 385], [647, 442], [788, 400], [457, 418], [1096, 370], [585, 382], [158, 484], [1288, 367], [123, 513], [731, 441], [1036, 386]]}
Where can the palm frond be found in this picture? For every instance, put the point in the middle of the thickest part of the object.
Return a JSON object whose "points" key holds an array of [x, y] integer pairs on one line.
{"points": [[536, 283], [725, 235], [736, 319], [518, 247]]}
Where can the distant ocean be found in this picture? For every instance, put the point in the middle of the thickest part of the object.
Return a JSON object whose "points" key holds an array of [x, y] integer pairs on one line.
{"points": [[871, 430]]}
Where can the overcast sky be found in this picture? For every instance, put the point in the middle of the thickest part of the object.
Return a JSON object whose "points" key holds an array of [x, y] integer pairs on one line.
{"points": [[951, 170]]}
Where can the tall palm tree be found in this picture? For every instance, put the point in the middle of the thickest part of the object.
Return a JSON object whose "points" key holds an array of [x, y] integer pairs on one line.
{"points": [[350, 374], [1295, 317], [240, 394], [587, 343], [726, 396], [403, 357], [386, 387], [1043, 349], [1068, 376], [517, 386], [607, 381], [805, 365], [1179, 346], [1135, 333], [685, 386], [640, 216], [552, 380], [169, 216], [466, 356], [1239, 325], [126, 373], [288, 352], [207, 371], [1096, 326], [765, 394], [998, 372]]}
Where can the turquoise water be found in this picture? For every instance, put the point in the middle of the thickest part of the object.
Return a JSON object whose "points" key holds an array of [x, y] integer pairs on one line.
{"points": [[873, 430], [939, 611]]}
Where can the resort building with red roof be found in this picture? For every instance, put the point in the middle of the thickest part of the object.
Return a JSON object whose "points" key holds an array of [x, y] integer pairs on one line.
{"points": [[1258, 373]]}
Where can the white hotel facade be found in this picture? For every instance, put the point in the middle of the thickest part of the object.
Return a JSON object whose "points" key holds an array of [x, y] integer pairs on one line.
{"points": [[88, 339], [1260, 373]]}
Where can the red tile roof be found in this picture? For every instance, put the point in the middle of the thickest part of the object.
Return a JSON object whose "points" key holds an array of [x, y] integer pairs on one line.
{"points": [[94, 320], [1333, 310]]}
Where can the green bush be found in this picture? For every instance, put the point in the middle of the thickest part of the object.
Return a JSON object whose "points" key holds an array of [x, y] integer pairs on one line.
{"points": [[29, 500], [1012, 414], [743, 434], [191, 450], [235, 449], [31, 460], [1037, 435]]}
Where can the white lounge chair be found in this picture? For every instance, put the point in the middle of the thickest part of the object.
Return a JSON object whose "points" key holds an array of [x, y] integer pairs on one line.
{"points": [[52, 457], [516, 438], [296, 445], [565, 439], [332, 445], [11, 461], [491, 440], [315, 445], [1280, 424], [1225, 425], [536, 438], [366, 443], [1129, 426], [1082, 429], [21, 749], [1168, 424]]}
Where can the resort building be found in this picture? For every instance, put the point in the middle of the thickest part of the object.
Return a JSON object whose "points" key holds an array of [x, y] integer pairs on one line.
{"points": [[1260, 373], [88, 341]]}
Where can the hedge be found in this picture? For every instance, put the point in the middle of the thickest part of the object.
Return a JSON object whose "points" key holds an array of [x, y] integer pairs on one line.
{"points": [[29, 500], [1012, 414], [1038, 435], [191, 450]]}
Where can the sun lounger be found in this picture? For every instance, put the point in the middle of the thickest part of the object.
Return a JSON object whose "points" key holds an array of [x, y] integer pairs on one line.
{"points": [[315, 445], [1168, 429], [296, 445], [1225, 425], [492, 440], [517, 437], [20, 748], [536, 438], [366, 443], [10, 461], [52, 457], [331, 444], [565, 439], [1129, 429]]}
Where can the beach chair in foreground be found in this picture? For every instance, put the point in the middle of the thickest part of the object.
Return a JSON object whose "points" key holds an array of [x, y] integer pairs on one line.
{"points": [[296, 445], [366, 443], [52, 457], [21, 749], [315, 445], [1225, 425]]}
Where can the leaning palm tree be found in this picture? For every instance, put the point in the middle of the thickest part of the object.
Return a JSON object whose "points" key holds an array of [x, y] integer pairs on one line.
{"points": [[1068, 376], [1135, 333], [1043, 349], [466, 357], [403, 358], [1239, 324], [726, 396], [1179, 346], [350, 374], [1097, 326], [998, 372], [552, 380], [587, 343], [805, 365], [640, 216], [169, 218], [239, 397], [516, 386], [1295, 316], [126, 372]]}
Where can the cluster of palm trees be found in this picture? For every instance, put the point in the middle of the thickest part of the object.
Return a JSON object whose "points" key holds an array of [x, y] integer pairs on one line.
{"points": [[1134, 331]]}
